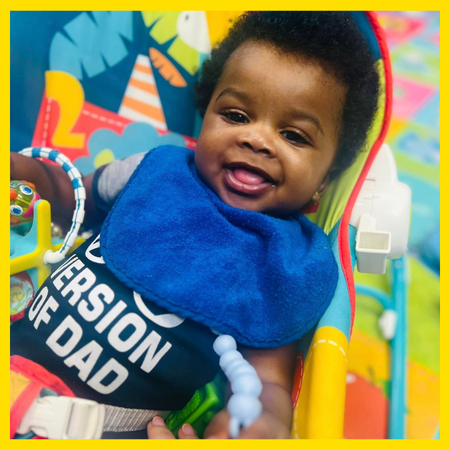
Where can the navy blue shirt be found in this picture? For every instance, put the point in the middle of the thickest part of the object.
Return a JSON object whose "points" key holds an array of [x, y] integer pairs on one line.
{"points": [[109, 344]]}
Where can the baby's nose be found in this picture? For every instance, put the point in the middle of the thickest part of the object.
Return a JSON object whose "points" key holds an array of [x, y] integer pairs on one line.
{"points": [[257, 142]]}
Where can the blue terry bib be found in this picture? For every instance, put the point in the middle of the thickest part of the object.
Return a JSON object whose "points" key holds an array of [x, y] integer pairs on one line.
{"points": [[266, 281]]}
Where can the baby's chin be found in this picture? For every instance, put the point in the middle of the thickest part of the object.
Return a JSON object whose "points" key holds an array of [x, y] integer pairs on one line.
{"points": [[256, 205]]}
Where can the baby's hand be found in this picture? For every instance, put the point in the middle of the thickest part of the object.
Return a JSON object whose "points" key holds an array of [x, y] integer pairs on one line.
{"points": [[157, 429], [267, 426]]}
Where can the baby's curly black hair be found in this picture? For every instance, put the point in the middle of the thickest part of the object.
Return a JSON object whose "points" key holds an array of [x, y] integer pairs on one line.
{"points": [[331, 38]]}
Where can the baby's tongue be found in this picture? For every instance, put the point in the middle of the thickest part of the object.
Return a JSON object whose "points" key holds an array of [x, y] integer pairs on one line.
{"points": [[248, 177]]}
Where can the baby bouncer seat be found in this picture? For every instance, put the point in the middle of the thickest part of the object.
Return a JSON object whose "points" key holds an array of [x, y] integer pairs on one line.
{"points": [[365, 212]]}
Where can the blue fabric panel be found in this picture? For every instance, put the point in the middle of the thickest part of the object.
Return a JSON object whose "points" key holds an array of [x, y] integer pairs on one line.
{"points": [[338, 314], [368, 33]]}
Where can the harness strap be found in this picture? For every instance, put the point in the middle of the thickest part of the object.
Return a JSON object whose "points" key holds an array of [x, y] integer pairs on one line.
{"points": [[126, 419], [63, 417]]}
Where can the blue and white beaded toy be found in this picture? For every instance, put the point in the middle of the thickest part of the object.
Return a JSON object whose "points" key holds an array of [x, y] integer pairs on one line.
{"points": [[52, 257], [244, 407]]}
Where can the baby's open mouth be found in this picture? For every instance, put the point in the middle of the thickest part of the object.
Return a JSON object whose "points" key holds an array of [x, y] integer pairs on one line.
{"points": [[247, 180], [248, 176]]}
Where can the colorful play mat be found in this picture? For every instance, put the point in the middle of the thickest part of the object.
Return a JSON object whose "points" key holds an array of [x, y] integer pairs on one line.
{"points": [[414, 43]]}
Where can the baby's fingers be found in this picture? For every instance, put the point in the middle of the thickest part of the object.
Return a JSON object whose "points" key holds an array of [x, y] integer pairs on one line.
{"points": [[187, 432], [157, 429]]}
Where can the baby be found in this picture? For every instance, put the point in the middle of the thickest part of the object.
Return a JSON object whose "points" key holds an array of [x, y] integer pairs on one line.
{"points": [[287, 100]]}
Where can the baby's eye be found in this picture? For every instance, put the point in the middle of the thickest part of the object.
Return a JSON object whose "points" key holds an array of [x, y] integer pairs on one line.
{"points": [[236, 117], [294, 137]]}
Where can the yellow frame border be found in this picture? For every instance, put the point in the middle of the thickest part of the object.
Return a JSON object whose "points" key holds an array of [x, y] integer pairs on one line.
{"points": [[230, 5]]}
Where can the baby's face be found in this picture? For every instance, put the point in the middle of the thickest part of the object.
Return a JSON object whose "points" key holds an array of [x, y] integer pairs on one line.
{"points": [[270, 132]]}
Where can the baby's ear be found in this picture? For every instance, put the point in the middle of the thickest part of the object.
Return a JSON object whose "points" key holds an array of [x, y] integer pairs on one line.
{"points": [[322, 188]]}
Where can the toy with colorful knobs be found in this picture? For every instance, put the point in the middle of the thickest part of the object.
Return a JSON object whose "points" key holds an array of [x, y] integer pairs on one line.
{"points": [[31, 244], [22, 197], [21, 294], [52, 257]]}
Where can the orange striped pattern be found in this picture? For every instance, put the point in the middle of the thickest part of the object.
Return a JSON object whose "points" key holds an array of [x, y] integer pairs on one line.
{"points": [[141, 102], [150, 88], [143, 108], [143, 69]]}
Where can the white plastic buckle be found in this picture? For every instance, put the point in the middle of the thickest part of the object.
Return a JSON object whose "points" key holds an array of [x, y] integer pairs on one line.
{"points": [[64, 418]]}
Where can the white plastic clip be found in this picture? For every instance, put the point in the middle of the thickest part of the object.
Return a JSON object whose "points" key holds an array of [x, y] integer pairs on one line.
{"points": [[372, 247], [64, 418]]}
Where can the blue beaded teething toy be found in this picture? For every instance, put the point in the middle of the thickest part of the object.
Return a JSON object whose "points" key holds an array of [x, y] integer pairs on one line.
{"points": [[244, 407]]}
